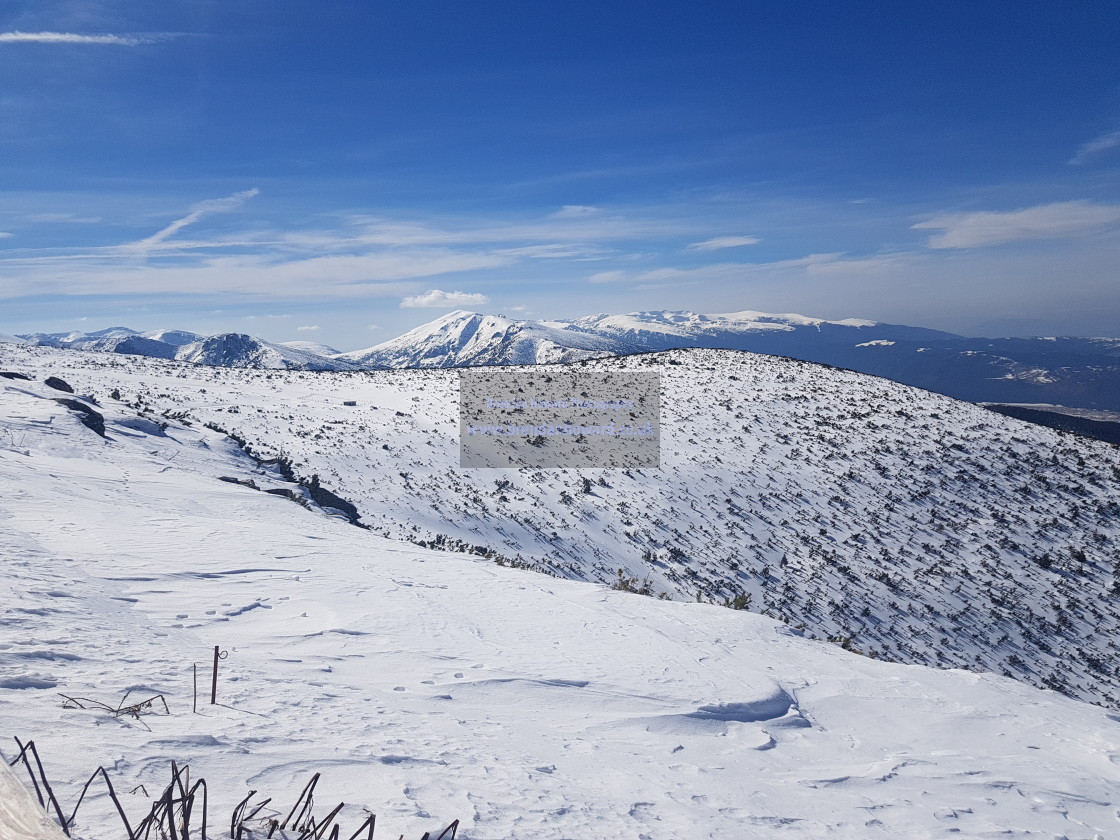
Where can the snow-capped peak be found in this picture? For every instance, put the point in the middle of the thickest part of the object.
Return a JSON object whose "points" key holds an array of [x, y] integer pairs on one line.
{"points": [[465, 339]]}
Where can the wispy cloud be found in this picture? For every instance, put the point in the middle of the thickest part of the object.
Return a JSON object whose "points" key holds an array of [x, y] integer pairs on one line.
{"points": [[63, 218], [203, 208], [435, 298], [1095, 147], [262, 276], [717, 242], [1045, 221], [76, 38], [557, 251], [349, 257], [835, 264], [613, 276], [311, 328], [575, 211], [5, 235]]}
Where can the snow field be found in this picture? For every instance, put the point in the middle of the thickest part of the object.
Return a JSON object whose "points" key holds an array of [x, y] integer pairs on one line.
{"points": [[428, 686]]}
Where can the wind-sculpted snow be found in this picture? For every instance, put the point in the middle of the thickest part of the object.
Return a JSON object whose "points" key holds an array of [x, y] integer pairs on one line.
{"points": [[427, 686], [903, 524]]}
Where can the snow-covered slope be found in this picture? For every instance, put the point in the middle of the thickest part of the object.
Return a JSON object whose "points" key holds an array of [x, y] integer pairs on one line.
{"points": [[235, 350], [77, 338], [134, 345], [907, 525], [428, 686], [312, 347], [111, 340], [176, 338], [468, 339], [11, 339]]}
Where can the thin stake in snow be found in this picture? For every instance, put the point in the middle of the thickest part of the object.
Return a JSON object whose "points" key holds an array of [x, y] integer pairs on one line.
{"points": [[214, 679]]}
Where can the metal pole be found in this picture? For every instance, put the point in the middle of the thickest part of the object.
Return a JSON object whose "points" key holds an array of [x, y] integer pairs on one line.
{"points": [[194, 698], [214, 681]]}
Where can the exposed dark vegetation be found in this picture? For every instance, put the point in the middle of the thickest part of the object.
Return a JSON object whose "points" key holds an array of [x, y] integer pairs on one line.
{"points": [[181, 810]]}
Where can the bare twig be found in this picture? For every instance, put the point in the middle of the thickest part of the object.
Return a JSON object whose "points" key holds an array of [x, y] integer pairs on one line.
{"points": [[171, 812], [134, 709], [112, 795], [308, 792]]}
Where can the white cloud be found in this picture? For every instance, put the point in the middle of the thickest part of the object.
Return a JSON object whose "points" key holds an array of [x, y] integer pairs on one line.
{"points": [[203, 208], [253, 275], [6, 235], [357, 258], [313, 328], [74, 38], [718, 242], [66, 218], [575, 211], [1046, 221], [436, 298], [835, 264], [556, 251], [609, 277], [1095, 147], [576, 231]]}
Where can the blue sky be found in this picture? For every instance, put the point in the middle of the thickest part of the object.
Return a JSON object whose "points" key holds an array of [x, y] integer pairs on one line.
{"points": [[344, 171]]}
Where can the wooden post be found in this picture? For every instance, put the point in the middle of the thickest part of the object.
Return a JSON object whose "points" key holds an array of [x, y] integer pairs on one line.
{"points": [[214, 680]]}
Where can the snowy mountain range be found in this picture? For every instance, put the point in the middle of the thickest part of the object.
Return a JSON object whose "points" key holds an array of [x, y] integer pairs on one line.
{"points": [[1079, 372], [428, 685], [660, 330], [234, 350], [1075, 372]]}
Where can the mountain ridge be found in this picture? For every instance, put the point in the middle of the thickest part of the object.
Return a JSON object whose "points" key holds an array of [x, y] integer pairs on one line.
{"points": [[1070, 371], [468, 339]]}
